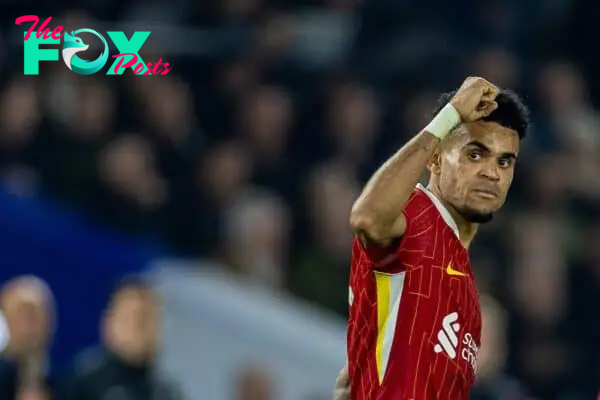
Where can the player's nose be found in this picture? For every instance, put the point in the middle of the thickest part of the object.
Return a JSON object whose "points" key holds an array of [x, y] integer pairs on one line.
{"points": [[490, 172]]}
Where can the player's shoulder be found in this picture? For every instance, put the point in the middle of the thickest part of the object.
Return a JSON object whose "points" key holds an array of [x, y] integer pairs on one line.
{"points": [[370, 255], [424, 209], [419, 198], [421, 205]]}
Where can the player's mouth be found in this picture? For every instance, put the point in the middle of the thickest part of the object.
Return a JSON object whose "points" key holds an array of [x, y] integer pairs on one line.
{"points": [[486, 194]]}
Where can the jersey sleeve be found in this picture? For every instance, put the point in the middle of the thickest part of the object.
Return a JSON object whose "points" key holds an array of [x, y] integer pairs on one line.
{"points": [[384, 258]]}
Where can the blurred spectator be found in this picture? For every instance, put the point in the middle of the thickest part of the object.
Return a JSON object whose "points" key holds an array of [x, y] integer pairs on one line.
{"points": [[197, 210], [28, 307], [70, 146], [541, 307], [498, 65], [20, 118], [256, 238], [265, 123], [492, 383], [4, 334], [272, 39], [331, 192], [169, 118], [417, 112], [585, 276], [564, 100], [254, 383], [131, 191], [124, 366], [354, 117]]}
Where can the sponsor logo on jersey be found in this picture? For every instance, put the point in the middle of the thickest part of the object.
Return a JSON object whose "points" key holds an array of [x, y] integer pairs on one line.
{"points": [[448, 336], [453, 272], [470, 350], [448, 341]]}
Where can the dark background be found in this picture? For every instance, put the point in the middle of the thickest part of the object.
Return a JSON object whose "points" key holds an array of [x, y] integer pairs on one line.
{"points": [[253, 148]]}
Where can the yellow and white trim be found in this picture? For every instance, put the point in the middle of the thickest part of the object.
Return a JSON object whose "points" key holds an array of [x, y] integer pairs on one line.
{"points": [[389, 295]]}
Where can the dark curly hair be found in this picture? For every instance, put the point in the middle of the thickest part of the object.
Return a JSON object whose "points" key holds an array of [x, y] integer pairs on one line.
{"points": [[511, 113]]}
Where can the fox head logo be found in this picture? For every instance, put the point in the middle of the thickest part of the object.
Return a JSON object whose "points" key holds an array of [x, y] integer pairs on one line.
{"points": [[73, 45]]}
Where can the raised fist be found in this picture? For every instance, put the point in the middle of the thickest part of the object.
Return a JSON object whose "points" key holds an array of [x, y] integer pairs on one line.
{"points": [[475, 99]]}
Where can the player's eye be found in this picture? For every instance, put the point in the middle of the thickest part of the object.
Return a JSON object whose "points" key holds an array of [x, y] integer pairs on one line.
{"points": [[475, 155], [505, 162]]}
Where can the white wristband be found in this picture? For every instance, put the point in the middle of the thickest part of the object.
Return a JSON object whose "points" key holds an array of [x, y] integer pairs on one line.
{"points": [[444, 122]]}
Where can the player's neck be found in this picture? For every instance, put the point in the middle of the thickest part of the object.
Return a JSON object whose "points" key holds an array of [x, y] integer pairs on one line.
{"points": [[466, 229]]}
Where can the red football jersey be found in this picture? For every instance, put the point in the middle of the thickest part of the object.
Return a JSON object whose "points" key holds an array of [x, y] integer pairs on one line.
{"points": [[415, 323]]}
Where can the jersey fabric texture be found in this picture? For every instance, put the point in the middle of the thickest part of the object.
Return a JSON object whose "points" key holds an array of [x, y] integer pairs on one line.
{"points": [[414, 328]]}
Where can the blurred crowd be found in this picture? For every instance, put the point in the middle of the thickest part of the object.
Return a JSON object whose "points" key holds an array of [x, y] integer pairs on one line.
{"points": [[253, 148], [120, 367]]}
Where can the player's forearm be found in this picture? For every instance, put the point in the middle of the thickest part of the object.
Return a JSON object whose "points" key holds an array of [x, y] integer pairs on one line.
{"points": [[377, 212], [388, 190]]}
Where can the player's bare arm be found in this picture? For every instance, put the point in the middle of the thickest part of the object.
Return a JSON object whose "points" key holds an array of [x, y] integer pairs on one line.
{"points": [[377, 214]]}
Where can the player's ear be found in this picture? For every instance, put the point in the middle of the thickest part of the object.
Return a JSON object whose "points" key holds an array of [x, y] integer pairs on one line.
{"points": [[435, 161]]}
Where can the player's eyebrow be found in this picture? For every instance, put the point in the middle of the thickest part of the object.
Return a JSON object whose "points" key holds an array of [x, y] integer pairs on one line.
{"points": [[479, 145], [484, 148], [509, 155]]}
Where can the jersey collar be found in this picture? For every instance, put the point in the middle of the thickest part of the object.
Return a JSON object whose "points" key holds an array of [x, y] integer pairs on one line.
{"points": [[441, 209]]}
